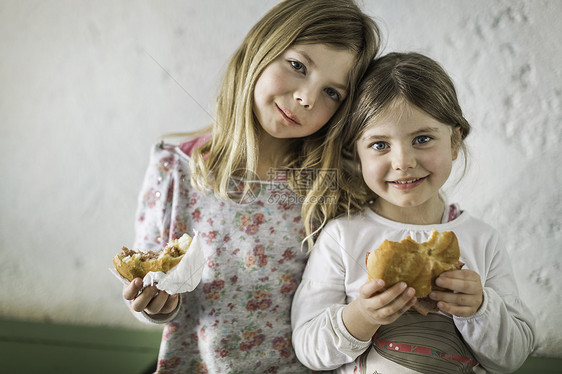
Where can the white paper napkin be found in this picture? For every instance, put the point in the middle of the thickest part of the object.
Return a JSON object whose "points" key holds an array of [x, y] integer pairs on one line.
{"points": [[183, 277]]}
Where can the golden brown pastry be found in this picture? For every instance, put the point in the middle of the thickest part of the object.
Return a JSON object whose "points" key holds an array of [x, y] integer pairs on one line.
{"points": [[416, 264], [133, 264]]}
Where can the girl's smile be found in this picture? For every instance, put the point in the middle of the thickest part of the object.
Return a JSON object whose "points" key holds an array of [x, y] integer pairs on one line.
{"points": [[406, 156], [405, 184], [288, 116]]}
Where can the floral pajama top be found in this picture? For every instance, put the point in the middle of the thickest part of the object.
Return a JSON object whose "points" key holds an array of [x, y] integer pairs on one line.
{"points": [[237, 320]]}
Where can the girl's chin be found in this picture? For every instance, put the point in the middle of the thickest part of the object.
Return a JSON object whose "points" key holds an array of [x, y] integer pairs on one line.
{"points": [[411, 211]]}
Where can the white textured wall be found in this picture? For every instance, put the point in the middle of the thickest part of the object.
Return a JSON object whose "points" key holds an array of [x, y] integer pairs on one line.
{"points": [[83, 96]]}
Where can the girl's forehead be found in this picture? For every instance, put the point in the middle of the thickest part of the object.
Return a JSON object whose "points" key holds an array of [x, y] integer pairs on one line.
{"points": [[334, 47], [392, 112], [320, 49], [403, 117]]}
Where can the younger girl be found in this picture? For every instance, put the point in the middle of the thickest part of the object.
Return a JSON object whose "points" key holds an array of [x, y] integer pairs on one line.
{"points": [[398, 149], [293, 77]]}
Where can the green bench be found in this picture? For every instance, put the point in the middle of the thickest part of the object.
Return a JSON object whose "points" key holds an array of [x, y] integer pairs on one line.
{"points": [[44, 348], [32, 347]]}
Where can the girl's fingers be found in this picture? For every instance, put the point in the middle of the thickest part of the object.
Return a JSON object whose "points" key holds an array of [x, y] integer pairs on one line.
{"points": [[386, 297], [162, 303], [170, 305], [456, 298], [157, 303], [144, 298], [458, 304], [384, 307], [395, 299], [369, 289], [131, 290], [410, 303], [465, 281], [393, 310], [151, 300], [404, 302]]}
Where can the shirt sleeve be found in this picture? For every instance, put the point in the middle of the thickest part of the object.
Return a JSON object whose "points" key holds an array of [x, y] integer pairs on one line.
{"points": [[152, 224], [320, 339], [501, 334]]}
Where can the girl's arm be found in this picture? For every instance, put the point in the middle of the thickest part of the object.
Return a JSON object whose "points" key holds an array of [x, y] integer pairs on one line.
{"points": [[320, 338], [501, 333], [152, 232], [152, 221], [327, 331]]}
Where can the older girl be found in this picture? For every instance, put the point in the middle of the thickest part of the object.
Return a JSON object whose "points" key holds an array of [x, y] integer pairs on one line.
{"points": [[292, 78]]}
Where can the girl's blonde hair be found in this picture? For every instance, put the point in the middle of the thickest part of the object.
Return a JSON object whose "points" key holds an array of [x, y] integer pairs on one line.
{"points": [[234, 144], [390, 81]]}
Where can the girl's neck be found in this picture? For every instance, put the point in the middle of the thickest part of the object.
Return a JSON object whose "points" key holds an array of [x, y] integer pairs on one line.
{"points": [[271, 154], [430, 213]]}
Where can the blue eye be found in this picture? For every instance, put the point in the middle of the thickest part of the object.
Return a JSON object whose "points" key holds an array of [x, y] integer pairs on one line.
{"points": [[298, 66], [333, 94], [379, 146], [422, 139]]}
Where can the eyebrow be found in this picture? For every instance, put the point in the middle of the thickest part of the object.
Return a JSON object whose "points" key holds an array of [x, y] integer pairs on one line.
{"points": [[425, 130], [310, 62]]}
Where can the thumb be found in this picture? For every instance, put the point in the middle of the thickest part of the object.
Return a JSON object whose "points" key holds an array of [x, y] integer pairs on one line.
{"points": [[131, 290], [372, 287]]}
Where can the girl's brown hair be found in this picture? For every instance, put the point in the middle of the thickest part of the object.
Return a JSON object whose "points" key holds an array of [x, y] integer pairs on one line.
{"points": [[390, 80]]}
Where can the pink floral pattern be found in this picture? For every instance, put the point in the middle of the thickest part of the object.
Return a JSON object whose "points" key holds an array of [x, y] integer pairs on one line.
{"points": [[238, 319]]}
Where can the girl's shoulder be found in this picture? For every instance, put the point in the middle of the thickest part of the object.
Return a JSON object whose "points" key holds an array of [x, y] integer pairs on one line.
{"points": [[187, 147], [165, 150], [454, 219], [474, 225], [346, 222]]}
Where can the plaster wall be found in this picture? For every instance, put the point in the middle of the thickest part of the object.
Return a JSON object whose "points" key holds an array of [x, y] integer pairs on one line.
{"points": [[87, 87]]}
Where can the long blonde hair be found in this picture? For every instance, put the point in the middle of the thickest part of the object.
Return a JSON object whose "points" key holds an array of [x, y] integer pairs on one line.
{"points": [[390, 80], [234, 144]]}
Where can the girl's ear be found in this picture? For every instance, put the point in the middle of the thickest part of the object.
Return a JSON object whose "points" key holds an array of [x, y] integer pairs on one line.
{"points": [[456, 140]]}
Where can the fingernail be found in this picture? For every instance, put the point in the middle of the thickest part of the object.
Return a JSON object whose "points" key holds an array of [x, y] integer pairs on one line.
{"points": [[403, 285], [411, 292], [380, 282]]}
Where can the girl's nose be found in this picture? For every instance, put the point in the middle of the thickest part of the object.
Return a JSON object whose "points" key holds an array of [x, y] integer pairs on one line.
{"points": [[305, 97], [403, 159]]}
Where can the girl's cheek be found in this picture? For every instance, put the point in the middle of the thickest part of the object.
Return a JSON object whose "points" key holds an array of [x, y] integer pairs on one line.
{"points": [[370, 169]]}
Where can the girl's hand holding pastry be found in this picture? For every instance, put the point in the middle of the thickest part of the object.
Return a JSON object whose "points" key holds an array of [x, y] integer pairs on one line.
{"points": [[465, 296], [151, 300], [374, 307]]}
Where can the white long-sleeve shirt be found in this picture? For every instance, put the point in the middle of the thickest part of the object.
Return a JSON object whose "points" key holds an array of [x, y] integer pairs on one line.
{"points": [[498, 338]]}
